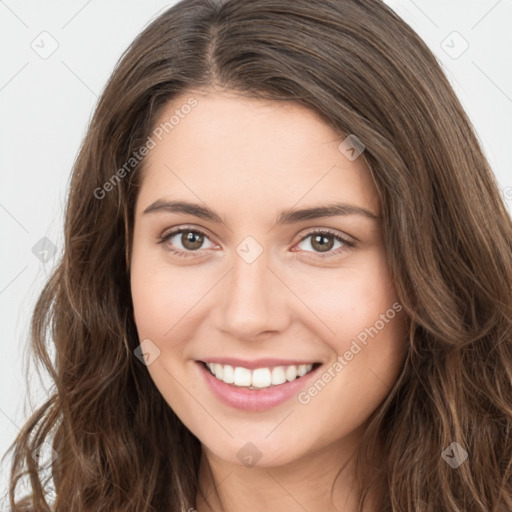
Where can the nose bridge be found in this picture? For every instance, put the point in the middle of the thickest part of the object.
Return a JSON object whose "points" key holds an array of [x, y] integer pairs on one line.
{"points": [[249, 304]]}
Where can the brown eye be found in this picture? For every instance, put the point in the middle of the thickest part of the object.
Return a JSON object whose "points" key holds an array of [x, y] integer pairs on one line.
{"points": [[322, 243], [185, 241], [191, 240]]}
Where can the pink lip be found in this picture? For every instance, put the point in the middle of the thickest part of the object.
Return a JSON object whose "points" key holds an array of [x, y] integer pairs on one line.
{"points": [[255, 400], [256, 363]]}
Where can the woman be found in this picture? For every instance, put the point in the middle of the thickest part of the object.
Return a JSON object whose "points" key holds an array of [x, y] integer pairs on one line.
{"points": [[287, 278]]}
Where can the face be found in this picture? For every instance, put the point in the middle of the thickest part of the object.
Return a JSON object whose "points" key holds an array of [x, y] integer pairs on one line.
{"points": [[225, 269]]}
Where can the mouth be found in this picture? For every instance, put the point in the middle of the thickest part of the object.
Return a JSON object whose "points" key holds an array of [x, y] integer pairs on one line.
{"points": [[264, 377], [259, 388]]}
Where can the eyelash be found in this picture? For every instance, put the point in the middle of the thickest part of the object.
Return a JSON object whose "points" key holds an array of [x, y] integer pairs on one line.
{"points": [[348, 244]]}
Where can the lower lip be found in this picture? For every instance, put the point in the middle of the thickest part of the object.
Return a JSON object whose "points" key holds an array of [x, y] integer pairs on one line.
{"points": [[254, 399]]}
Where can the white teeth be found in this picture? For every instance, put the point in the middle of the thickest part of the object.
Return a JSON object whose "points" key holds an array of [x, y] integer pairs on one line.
{"points": [[228, 376], [218, 370], [291, 373], [260, 377], [301, 370], [242, 376], [278, 376]]}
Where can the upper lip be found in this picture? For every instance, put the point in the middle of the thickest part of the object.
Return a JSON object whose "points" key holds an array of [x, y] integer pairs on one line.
{"points": [[255, 363]]}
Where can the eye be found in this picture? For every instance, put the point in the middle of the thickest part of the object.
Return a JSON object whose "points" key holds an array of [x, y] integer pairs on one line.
{"points": [[190, 240], [323, 241]]}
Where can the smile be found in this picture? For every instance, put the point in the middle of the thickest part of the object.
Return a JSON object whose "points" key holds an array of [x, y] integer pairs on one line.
{"points": [[258, 389], [258, 378]]}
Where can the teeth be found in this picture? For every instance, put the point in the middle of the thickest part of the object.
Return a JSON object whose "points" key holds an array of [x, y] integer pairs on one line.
{"points": [[278, 376], [228, 375], [242, 376], [302, 370], [291, 373], [260, 377], [219, 370]]}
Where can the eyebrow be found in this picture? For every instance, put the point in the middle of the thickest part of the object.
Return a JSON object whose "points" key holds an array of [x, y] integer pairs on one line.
{"points": [[286, 217]]}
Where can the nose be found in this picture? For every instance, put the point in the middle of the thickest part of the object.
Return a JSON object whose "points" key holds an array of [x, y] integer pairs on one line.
{"points": [[254, 300]]}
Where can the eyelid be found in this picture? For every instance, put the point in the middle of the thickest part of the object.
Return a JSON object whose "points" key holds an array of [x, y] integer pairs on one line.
{"points": [[333, 232], [185, 227]]}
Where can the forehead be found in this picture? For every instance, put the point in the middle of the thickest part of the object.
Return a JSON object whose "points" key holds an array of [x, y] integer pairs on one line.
{"points": [[255, 152]]}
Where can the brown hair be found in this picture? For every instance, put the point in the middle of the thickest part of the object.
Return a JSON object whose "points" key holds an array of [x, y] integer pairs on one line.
{"points": [[448, 239]]}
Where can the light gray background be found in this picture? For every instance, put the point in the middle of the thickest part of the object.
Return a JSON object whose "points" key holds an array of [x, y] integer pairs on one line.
{"points": [[46, 102]]}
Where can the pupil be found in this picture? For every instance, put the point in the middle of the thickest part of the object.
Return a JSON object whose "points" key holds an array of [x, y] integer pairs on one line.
{"points": [[192, 240], [321, 241]]}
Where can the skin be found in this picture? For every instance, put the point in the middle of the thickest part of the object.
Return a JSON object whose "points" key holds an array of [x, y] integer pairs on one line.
{"points": [[249, 160]]}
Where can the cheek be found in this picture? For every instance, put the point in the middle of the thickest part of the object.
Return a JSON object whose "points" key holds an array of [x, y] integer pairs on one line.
{"points": [[147, 299], [155, 289], [348, 300], [151, 292], [168, 300]]}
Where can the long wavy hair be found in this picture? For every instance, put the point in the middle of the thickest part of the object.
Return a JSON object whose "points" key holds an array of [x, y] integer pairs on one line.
{"points": [[118, 446]]}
